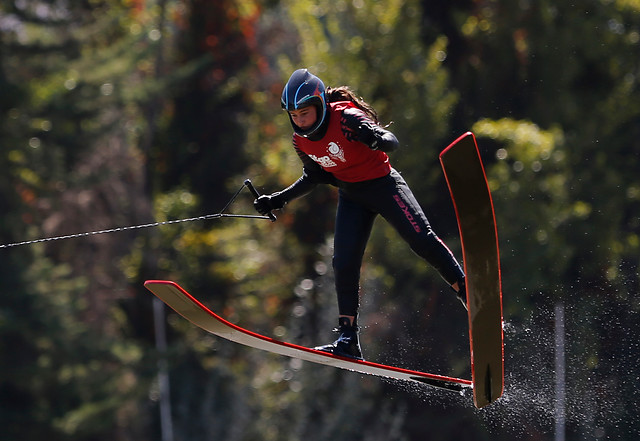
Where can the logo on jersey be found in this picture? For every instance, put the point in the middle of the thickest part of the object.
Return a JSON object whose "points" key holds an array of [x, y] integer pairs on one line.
{"points": [[335, 153], [323, 161]]}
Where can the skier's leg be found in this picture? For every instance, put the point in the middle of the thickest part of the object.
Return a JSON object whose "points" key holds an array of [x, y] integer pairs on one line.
{"points": [[353, 227], [400, 208]]}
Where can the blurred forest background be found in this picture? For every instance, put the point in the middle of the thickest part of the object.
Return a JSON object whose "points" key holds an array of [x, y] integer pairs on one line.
{"points": [[125, 112]]}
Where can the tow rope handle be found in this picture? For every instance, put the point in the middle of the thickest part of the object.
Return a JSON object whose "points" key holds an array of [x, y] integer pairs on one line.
{"points": [[255, 193]]}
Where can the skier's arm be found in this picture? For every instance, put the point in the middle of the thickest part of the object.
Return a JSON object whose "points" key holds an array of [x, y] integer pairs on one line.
{"points": [[359, 126], [312, 175]]}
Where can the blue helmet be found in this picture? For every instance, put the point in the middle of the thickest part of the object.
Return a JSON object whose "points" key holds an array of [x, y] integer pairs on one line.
{"points": [[305, 89]]}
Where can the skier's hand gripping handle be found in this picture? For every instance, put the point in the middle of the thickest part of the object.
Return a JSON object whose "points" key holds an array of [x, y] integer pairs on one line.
{"points": [[255, 194]]}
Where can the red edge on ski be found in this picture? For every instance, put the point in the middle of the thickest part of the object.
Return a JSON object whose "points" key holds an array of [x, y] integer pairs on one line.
{"points": [[440, 381], [442, 153]]}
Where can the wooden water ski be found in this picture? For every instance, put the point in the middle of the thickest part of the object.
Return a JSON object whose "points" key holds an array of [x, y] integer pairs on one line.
{"points": [[471, 196], [187, 306]]}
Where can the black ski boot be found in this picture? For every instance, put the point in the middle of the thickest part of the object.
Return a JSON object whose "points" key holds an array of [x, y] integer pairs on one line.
{"points": [[462, 293], [347, 345]]}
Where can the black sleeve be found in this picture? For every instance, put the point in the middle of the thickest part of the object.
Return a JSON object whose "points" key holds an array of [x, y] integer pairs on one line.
{"points": [[358, 126], [298, 189]]}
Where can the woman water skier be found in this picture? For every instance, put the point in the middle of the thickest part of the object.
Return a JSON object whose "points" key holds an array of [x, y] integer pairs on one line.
{"points": [[339, 141]]}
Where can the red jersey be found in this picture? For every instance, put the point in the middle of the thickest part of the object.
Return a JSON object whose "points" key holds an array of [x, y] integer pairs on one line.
{"points": [[347, 160]]}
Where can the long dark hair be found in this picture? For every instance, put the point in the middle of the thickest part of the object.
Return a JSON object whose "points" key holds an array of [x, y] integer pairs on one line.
{"points": [[344, 93]]}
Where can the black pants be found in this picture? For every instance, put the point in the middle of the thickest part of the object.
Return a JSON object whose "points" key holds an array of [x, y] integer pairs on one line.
{"points": [[358, 205]]}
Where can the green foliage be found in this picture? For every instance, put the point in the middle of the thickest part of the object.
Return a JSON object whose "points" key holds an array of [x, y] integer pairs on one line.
{"points": [[68, 168], [531, 168], [570, 85], [64, 379], [127, 112]]}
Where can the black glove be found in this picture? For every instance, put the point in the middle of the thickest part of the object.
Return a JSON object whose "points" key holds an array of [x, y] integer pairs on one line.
{"points": [[376, 137], [367, 134], [267, 203]]}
